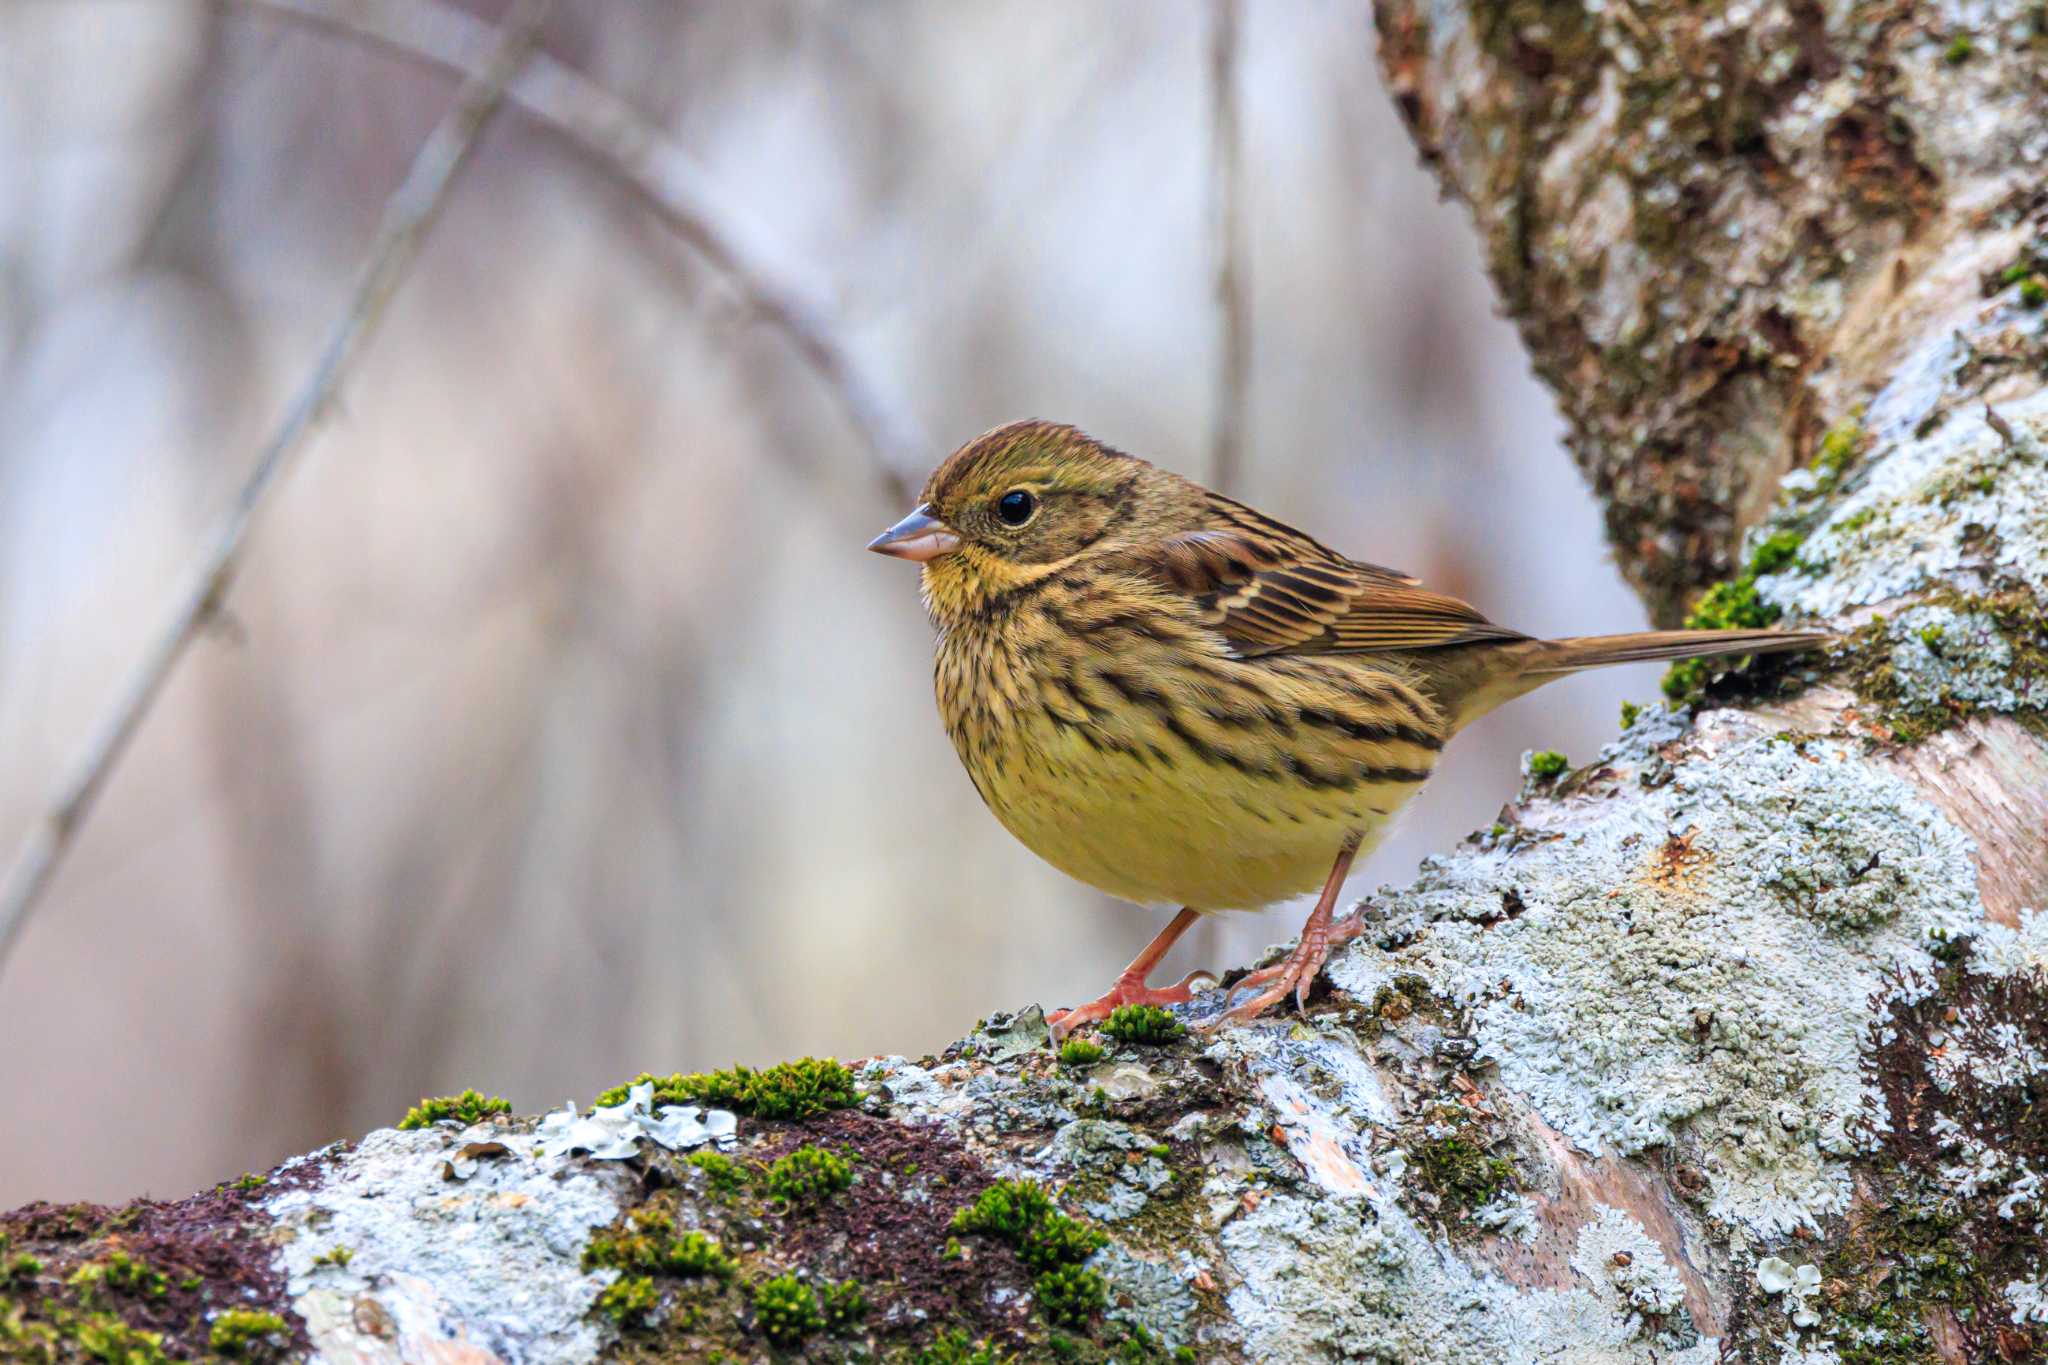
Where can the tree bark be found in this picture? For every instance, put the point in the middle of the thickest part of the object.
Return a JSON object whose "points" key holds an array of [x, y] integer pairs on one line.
{"points": [[1732, 1043]]}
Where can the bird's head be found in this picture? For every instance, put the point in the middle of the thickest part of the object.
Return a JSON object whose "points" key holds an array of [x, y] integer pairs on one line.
{"points": [[1024, 502]]}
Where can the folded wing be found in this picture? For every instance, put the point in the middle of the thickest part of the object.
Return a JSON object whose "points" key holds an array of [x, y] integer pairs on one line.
{"points": [[1269, 589]]}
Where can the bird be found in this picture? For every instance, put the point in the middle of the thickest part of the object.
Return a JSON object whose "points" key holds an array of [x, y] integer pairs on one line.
{"points": [[1177, 699]]}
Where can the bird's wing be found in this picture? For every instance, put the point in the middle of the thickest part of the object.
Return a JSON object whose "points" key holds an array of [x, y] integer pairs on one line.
{"points": [[1269, 589]]}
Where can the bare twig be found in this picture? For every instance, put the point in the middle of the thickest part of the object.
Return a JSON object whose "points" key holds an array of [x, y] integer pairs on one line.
{"points": [[1997, 422], [408, 214], [1233, 305], [641, 154]]}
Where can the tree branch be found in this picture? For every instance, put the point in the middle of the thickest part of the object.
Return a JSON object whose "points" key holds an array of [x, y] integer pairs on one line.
{"points": [[1233, 301], [407, 216], [647, 160]]}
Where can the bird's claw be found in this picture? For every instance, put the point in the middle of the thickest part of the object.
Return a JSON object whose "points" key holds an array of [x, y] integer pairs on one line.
{"points": [[1298, 970], [1128, 990]]}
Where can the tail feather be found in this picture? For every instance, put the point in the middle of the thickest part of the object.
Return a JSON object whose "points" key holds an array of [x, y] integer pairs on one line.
{"points": [[1596, 651], [1475, 679]]}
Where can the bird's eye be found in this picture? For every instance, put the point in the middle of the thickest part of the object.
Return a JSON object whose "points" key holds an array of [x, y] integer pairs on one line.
{"points": [[1016, 507]]}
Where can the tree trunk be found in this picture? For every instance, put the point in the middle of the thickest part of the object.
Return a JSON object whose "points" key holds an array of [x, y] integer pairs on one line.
{"points": [[1732, 1043]]}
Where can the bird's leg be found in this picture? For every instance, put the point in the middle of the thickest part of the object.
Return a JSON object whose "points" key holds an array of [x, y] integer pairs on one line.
{"points": [[1130, 988], [1298, 969]]}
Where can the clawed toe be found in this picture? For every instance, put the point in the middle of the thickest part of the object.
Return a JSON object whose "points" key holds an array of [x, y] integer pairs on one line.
{"points": [[1126, 991], [1296, 972]]}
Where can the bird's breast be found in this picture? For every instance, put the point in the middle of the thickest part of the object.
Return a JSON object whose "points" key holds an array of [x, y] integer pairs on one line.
{"points": [[1131, 751]]}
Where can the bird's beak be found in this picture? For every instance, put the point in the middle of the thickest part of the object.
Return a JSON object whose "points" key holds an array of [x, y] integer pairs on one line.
{"points": [[919, 536]]}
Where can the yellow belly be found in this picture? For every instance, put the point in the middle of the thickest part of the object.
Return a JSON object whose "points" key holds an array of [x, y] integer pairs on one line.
{"points": [[1210, 840], [1229, 788]]}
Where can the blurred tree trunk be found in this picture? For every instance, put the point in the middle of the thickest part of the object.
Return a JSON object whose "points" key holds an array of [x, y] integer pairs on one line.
{"points": [[1729, 1044]]}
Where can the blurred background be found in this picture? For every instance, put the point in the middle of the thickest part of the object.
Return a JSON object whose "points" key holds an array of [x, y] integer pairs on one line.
{"points": [[558, 727]]}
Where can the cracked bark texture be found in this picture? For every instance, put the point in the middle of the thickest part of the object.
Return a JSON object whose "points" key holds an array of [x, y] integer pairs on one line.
{"points": [[1730, 1044]]}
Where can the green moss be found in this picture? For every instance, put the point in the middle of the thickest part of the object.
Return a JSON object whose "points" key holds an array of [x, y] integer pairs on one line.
{"points": [[1022, 1214], [1142, 1024], [1456, 1163], [469, 1107], [652, 1246], [120, 1273], [1838, 449], [249, 1181], [809, 1175], [628, 1300], [1775, 551], [249, 1334], [1734, 605], [104, 1337], [1856, 520], [786, 1311], [845, 1306], [2033, 291], [787, 1090], [1629, 712], [338, 1257], [1079, 1052], [955, 1348], [1068, 1295], [21, 1269], [1545, 764], [724, 1174], [1959, 49], [1866, 658]]}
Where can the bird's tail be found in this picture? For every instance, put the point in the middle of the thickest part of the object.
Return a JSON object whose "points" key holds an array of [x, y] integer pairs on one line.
{"points": [[1491, 674], [1569, 655]]}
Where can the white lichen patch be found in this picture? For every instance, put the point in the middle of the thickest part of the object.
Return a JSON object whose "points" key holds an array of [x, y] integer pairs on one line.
{"points": [[1115, 1168], [1928, 511], [1146, 1294], [2029, 1300], [1336, 1280], [1512, 1216], [1623, 1263], [1693, 966], [487, 1268], [2001, 950], [1940, 655]]}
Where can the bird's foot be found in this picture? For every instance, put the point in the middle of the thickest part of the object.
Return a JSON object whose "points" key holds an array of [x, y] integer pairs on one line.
{"points": [[1130, 989], [1297, 971]]}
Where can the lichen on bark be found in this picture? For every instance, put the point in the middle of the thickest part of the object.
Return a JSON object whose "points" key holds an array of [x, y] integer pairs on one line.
{"points": [[1726, 1045]]}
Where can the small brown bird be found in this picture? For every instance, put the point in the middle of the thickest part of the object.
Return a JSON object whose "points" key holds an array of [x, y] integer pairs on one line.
{"points": [[1173, 698]]}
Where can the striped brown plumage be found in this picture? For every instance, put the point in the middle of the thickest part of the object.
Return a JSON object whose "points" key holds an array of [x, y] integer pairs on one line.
{"points": [[1173, 697]]}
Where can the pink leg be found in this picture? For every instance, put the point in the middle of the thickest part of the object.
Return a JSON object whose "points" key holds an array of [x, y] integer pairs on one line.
{"points": [[1298, 969], [1130, 987]]}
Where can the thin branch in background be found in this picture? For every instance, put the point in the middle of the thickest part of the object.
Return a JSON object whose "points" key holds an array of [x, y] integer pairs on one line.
{"points": [[407, 216], [640, 153], [1233, 304]]}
